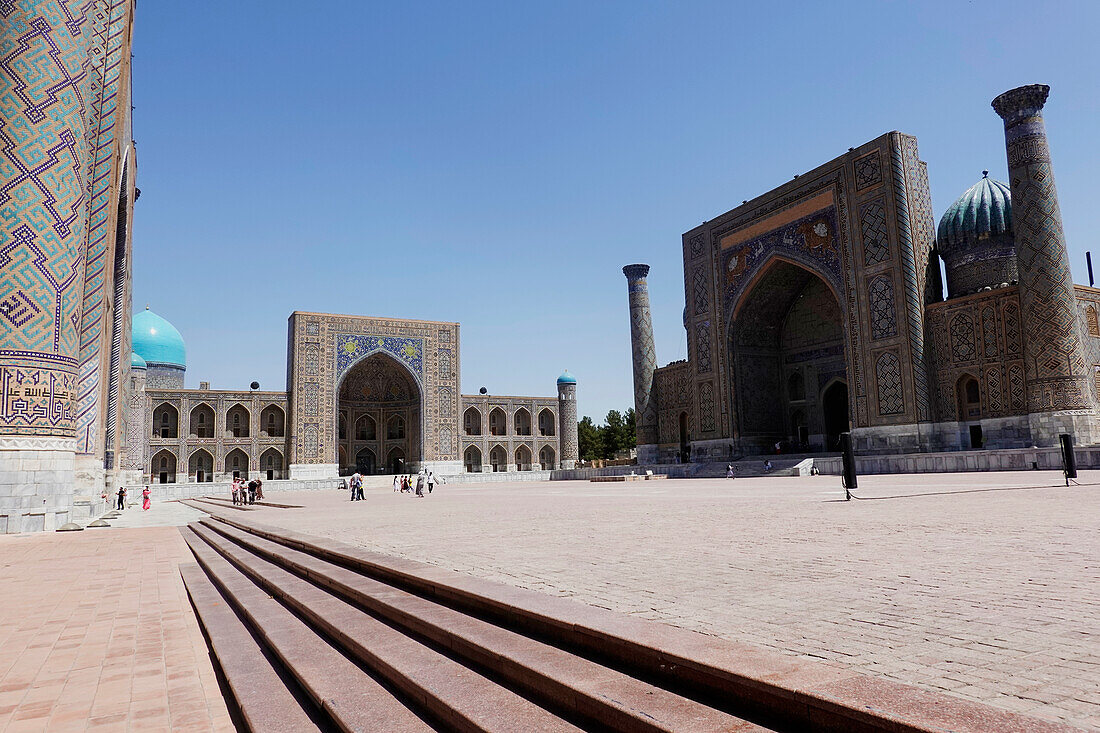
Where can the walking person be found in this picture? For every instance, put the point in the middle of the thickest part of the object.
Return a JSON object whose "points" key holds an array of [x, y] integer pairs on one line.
{"points": [[431, 481], [420, 484], [259, 490], [145, 499], [395, 482], [235, 491], [121, 497], [252, 491], [729, 471]]}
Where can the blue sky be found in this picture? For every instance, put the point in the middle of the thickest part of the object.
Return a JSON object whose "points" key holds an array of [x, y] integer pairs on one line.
{"points": [[497, 164]]}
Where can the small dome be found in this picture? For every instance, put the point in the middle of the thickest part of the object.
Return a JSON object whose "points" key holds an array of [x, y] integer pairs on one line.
{"points": [[985, 209], [157, 341], [136, 362], [567, 378]]}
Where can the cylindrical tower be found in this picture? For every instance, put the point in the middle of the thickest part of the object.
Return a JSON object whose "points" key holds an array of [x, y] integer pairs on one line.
{"points": [[43, 223], [567, 419], [645, 361], [1054, 368]]}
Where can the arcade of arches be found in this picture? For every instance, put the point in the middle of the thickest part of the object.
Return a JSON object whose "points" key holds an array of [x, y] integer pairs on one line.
{"points": [[378, 429], [787, 339]]}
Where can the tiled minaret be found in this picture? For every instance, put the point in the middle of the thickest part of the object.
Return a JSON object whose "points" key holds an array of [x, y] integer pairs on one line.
{"points": [[645, 361], [567, 419], [1058, 397], [43, 224]]}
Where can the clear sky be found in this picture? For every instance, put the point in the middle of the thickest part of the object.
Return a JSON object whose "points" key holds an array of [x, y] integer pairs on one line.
{"points": [[497, 164]]}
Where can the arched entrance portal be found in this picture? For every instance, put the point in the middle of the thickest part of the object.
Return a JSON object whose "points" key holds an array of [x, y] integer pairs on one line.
{"points": [[380, 400], [786, 343]]}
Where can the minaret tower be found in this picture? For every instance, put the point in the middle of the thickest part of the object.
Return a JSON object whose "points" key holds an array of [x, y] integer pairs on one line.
{"points": [[567, 420], [1058, 393], [645, 361]]}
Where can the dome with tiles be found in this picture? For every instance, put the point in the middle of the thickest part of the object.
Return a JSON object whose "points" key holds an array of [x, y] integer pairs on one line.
{"points": [[567, 378], [984, 210], [157, 341], [136, 362]]}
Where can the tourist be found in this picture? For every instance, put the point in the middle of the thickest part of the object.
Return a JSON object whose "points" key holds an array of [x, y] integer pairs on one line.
{"points": [[395, 482], [252, 492], [729, 470], [353, 485], [235, 491], [431, 481], [420, 484], [259, 490], [145, 499], [121, 497]]}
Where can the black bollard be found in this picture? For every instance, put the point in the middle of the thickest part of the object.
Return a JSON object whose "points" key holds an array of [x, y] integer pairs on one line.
{"points": [[1069, 461], [849, 462]]}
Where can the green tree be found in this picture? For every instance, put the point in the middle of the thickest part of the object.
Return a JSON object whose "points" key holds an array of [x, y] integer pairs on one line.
{"points": [[631, 428], [589, 439], [614, 434]]}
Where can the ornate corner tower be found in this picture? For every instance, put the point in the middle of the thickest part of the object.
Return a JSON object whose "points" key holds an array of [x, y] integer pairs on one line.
{"points": [[645, 361], [567, 419], [1058, 396]]}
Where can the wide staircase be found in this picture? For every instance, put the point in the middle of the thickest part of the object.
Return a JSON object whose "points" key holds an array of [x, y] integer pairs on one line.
{"points": [[750, 466], [314, 634]]}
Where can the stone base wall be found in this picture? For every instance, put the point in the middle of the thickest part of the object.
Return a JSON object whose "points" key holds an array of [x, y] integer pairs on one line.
{"points": [[311, 471], [1020, 459], [36, 483], [497, 477]]}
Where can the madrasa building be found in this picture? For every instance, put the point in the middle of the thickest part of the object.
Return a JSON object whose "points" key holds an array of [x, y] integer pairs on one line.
{"points": [[373, 395], [817, 308]]}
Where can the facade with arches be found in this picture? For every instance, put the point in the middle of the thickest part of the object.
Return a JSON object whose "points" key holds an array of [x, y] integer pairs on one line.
{"points": [[818, 308], [381, 396]]}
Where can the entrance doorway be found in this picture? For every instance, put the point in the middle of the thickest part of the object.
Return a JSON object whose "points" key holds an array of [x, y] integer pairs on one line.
{"points": [[379, 402], [685, 447], [834, 409], [365, 462], [976, 440]]}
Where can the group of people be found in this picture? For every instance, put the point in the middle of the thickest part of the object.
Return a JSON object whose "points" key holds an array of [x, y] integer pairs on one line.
{"points": [[407, 484], [247, 492], [121, 502]]}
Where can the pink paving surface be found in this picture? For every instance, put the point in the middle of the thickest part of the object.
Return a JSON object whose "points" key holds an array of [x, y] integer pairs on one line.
{"points": [[984, 586], [97, 634]]}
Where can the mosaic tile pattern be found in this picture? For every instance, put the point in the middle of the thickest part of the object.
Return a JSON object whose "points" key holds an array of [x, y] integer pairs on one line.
{"points": [[44, 56], [644, 352], [884, 316], [888, 380]]}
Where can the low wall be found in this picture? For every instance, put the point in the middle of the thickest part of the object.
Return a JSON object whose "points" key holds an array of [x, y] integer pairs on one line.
{"points": [[1008, 459], [498, 476], [672, 470], [191, 490]]}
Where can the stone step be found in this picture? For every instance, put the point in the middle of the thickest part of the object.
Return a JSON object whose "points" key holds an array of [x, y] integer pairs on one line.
{"points": [[767, 687], [349, 697], [215, 502], [455, 695], [259, 502], [549, 675], [267, 698]]}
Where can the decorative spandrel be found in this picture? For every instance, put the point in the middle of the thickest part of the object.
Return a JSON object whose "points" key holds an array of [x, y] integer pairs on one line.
{"points": [[351, 348]]}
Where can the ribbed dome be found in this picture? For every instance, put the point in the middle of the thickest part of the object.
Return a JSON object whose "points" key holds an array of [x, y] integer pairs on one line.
{"points": [[157, 341], [567, 378], [985, 209], [136, 362]]}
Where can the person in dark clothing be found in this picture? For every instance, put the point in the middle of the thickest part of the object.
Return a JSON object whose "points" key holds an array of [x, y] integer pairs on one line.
{"points": [[252, 491], [121, 497]]}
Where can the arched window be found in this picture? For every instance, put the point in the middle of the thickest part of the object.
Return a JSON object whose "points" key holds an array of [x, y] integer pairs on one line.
{"points": [[273, 421], [1091, 320], [201, 466], [969, 398], [472, 458], [202, 421], [163, 467], [498, 422], [547, 423], [166, 420], [498, 459], [236, 463], [471, 421], [271, 464], [796, 387], [395, 428], [236, 421], [365, 428], [522, 421], [523, 458], [546, 458], [342, 430]]}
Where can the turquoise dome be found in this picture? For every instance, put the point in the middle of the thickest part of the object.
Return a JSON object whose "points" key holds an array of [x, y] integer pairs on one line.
{"points": [[157, 341], [985, 209], [136, 362], [567, 378]]}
